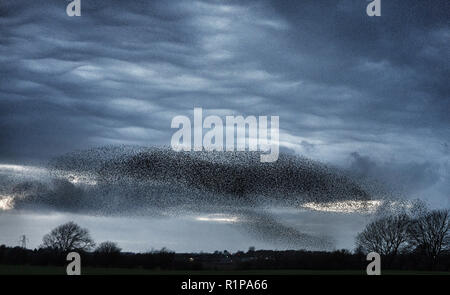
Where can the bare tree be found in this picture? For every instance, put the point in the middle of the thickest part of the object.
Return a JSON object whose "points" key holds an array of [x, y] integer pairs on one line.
{"points": [[108, 248], [67, 237], [431, 232], [386, 236]]}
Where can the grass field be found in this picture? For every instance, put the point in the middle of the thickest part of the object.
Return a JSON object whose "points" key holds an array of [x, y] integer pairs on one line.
{"points": [[55, 270]]}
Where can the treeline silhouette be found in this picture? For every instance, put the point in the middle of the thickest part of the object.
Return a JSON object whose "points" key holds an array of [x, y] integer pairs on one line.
{"points": [[419, 241], [223, 260]]}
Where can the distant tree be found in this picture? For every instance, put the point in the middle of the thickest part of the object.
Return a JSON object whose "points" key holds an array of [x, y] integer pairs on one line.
{"points": [[107, 253], [108, 248], [386, 236], [67, 237], [430, 233], [165, 250]]}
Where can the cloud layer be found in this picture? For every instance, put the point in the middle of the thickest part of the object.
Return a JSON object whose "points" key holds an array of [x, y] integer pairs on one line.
{"points": [[340, 81]]}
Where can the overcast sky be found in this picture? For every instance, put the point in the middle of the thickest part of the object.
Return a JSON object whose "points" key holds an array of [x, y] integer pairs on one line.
{"points": [[367, 93]]}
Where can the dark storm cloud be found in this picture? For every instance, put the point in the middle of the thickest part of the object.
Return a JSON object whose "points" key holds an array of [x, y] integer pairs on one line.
{"points": [[406, 177], [340, 81]]}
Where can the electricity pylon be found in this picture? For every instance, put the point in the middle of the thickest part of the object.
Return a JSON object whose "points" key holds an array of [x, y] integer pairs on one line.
{"points": [[23, 241]]}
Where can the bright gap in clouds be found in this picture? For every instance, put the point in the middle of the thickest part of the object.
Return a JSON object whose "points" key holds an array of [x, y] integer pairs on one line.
{"points": [[6, 202], [218, 218], [345, 206]]}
